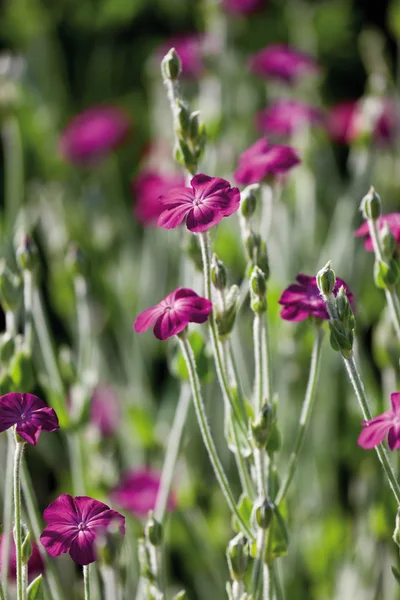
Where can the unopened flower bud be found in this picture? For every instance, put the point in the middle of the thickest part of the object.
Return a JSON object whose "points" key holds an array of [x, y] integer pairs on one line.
{"points": [[258, 305], [258, 282], [249, 200], [27, 253], [184, 155], [388, 242], [153, 530], [264, 512], [386, 275], [194, 126], [326, 280], [26, 549], [396, 533], [171, 65], [257, 253], [261, 427], [7, 347], [10, 288], [218, 273], [183, 119], [274, 442], [371, 206], [225, 320], [238, 557]]}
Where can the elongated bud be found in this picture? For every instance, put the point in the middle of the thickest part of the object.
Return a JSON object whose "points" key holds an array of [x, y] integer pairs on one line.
{"points": [[218, 273], [34, 591], [342, 327], [388, 242], [10, 288], [371, 205], [171, 65], [261, 427], [326, 280], [258, 282], [144, 560], [26, 549], [237, 555], [249, 200], [396, 533], [185, 156], [7, 347], [153, 530], [194, 126], [27, 253], [183, 119], [225, 320], [257, 253], [264, 511]]}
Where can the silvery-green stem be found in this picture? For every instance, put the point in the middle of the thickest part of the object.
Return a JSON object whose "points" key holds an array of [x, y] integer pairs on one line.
{"points": [[237, 590], [111, 590], [390, 293], [266, 359], [257, 578], [258, 375], [83, 317], [10, 322], [276, 581], [19, 449], [7, 509], [28, 323], [86, 581], [206, 433], [24, 581], [363, 402], [76, 462], [304, 416]]}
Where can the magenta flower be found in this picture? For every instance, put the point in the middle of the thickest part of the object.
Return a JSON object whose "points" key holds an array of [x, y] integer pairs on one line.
{"points": [[393, 222], [73, 524], [350, 120], [282, 62], [190, 49], [174, 313], [375, 430], [93, 134], [137, 492], [285, 117], [105, 411], [35, 562], [243, 7], [148, 186], [302, 299], [262, 160], [29, 414], [205, 204]]}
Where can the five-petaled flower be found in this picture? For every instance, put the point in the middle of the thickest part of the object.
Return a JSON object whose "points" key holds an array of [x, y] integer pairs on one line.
{"points": [[302, 299], [137, 492], [147, 188], [375, 430], [286, 116], [393, 222], [282, 62], [261, 160], [29, 414], [203, 205], [74, 524], [93, 134], [174, 313]]}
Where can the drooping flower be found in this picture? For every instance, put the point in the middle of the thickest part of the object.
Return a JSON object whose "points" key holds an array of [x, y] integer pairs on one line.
{"points": [[284, 117], [137, 492], [302, 299], [148, 186], [205, 204], [243, 7], [350, 120], [375, 430], [29, 414], [282, 62], [393, 222], [190, 49], [93, 134], [73, 524], [262, 160], [105, 410], [35, 562], [174, 313]]}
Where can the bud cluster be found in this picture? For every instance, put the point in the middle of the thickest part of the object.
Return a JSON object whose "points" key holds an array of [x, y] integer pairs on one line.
{"points": [[257, 253], [237, 555], [258, 290], [342, 325]]}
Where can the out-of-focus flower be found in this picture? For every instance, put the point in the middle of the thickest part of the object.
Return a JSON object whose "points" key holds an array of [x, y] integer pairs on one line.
{"points": [[73, 524], [375, 430], [190, 49], [209, 200], [105, 411], [284, 117], [350, 120], [282, 62], [393, 222], [147, 188], [174, 313], [29, 414], [137, 492], [35, 562], [303, 299], [243, 7], [262, 160], [93, 134]]}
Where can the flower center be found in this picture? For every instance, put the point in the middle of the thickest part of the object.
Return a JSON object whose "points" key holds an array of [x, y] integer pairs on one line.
{"points": [[197, 201], [23, 417], [81, 526]]}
